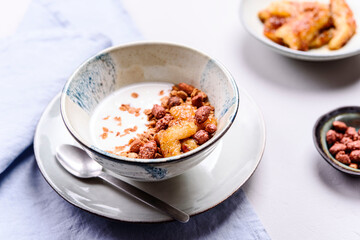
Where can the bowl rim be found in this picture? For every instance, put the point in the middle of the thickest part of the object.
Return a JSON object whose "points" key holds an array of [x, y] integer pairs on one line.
{"points": [[302, 55], [136, 161], [317, 136]]}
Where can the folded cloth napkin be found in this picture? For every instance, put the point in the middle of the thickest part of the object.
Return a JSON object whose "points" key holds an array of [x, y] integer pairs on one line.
{"points": [[54, 38]]}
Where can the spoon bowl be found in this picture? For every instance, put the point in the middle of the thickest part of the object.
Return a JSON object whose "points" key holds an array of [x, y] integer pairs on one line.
{"points": [[77, 162]]}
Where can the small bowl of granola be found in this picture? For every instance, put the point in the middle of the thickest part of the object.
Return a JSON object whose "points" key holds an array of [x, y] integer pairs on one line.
{"points": [[336, 136], [149, 111]]}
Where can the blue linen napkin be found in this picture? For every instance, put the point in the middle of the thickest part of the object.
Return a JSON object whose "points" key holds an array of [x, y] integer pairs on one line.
{"points": [[53, 39]]}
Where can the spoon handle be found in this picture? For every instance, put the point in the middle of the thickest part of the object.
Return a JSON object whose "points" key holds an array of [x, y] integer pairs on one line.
{"points": [[146, 198]]}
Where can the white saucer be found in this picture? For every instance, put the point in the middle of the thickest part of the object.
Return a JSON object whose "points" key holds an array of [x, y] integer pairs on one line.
{"points": [[249, 16], [199, 189]]}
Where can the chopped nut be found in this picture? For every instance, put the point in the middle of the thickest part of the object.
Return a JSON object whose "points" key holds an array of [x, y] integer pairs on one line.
{"points": [[173, 93], [186, 88], [135, 146], [355, 145], [163, 122], [158, 111], [134, 95], [345, 140], [174, 101], [104, 135], [355, 156], [202, 114], [210, 128], [339, 126], [343, 157], [147, 111], [351, 133], [117, 119], [197, 100], [201, 136], [164, 101], [337, 147], [124, 107], [331, 136], [194, 92], [151, 124], [181, 94], [148, 151]]}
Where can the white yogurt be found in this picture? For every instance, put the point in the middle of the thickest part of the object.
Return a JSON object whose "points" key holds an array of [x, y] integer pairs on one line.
{"points": [[105, 114]]}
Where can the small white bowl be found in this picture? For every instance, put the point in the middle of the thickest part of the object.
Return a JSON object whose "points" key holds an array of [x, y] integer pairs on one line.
{"points": [[249, 16], [100, 75]]}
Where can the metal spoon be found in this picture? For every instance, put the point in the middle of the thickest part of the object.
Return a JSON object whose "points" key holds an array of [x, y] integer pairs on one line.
{"points": [[77, 162]]}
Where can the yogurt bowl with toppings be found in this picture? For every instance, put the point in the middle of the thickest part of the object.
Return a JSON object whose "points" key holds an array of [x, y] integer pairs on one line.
{"points": [[149, 111]]}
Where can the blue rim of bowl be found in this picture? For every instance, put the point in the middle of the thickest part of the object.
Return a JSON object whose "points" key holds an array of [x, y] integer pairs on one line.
{"points": [[136, 161], [295, 53], [317, 138]]}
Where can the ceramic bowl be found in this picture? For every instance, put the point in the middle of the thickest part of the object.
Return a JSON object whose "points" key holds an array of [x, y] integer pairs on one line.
{"points": [[120, 66], [350, 116], [249, 16]]}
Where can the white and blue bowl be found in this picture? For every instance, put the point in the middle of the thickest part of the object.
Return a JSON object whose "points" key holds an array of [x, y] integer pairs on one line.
{"points": [[117, 67]]}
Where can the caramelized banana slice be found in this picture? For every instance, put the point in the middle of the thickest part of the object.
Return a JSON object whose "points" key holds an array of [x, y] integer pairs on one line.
{"points": [[188, 145], [301, 30], [286, 9], [279, 9], [170, 138], [270, 27], [345, 25], [183, 112], [323, 38]]}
